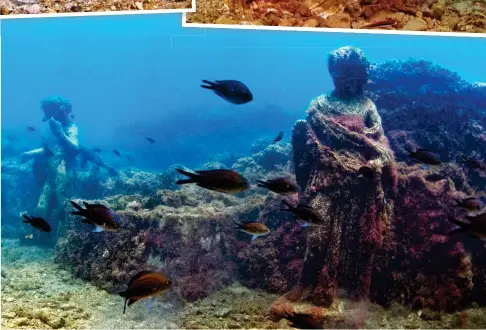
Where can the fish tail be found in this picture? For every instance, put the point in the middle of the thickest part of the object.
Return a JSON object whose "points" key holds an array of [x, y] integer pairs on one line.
{"points": [[27, 218], [125, 306], [192, 177], [261, 183], [211, 86], [458, 202], [76, 206], [76, 213], [463, 226]]}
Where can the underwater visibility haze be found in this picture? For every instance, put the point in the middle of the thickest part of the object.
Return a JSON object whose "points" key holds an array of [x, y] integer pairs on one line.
{"points": [[160, 177]]}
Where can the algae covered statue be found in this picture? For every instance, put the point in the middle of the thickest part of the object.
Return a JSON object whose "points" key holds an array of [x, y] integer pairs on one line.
{"points": [[341, 136], [55, 163]]}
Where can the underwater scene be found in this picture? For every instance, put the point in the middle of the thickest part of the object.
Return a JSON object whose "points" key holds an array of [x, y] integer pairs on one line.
{"points": [[159, 177]]}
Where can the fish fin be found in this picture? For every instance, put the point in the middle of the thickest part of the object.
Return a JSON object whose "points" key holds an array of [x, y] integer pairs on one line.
{"points": [[254, 237], [26, 221], [125, 305], [27, 218], [456, 231], [305, 225], [86, 204], [192, 177], [425, 167], [85, 221], [76, 213], [261, 183], [131, 301], [98, 229], [76, 206], [211, 84], [185, 181], [458, 223]]}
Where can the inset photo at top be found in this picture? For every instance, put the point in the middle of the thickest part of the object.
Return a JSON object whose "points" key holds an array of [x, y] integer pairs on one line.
{"points": [[406, 15], [14, 8]]}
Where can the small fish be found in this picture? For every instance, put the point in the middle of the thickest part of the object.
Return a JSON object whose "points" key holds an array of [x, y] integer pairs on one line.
{"points": [[232, 91], [96, 149], [471, 203], [255, 229], [303, 321], [29, 236], [434, 177], [38, 223], [367, 172], [30, 128], [150, 140], [116, 152], [279, 137], [225, 181], [99, 216], [305, 213], [145, 284], [424, 156], [283, 186], [476, 227], [474, 163]]}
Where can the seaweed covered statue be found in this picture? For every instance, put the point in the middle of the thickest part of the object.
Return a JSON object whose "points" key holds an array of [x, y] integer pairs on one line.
{"points": [[348, 171], [56, 162]]}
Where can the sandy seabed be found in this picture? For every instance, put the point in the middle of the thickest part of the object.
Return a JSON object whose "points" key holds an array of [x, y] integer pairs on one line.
{"points": [[38, 293]]}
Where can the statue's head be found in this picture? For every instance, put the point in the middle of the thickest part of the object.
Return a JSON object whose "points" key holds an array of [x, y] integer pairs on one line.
{"points": [[349, 70], [57, 107]]}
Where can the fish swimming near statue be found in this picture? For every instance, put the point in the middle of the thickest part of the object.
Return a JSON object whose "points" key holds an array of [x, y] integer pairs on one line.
{"points": [[474, 163], [278, 138], [150, 140], [221, 180], [475, 227], [472, 204], [256, 229], [38, 223], [30, 128], [232, 91], [305, 213], [367, 172], [99, 216], [145, 284], [435, 177], [116, 152], [283, 186], [424, 156]]}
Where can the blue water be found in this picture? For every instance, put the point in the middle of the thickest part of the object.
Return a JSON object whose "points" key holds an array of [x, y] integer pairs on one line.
{"points": [[134, 76]]}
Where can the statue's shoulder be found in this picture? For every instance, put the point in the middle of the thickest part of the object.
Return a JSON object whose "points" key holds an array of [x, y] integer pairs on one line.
{"points": [[319, 103]]}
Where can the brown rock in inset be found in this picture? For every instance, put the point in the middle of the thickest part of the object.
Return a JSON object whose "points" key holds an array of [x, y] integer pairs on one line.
{"points": [[342, 20], [415, 24]]}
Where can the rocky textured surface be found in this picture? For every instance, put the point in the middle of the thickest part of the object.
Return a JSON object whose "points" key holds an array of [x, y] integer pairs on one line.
{"points": [[395, 228], [14, 7], [189, 236], [410, 15]]}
